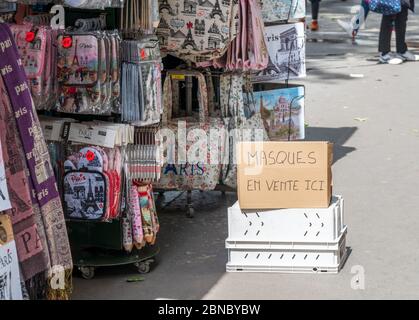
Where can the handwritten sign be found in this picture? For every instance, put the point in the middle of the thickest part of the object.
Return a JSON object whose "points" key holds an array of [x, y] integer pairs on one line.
{"points": [[276, 175], [10, 288], [5, 203]]}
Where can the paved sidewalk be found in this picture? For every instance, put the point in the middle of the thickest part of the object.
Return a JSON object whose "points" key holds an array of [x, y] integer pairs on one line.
{"points": [[376, 170], [373, 119]]}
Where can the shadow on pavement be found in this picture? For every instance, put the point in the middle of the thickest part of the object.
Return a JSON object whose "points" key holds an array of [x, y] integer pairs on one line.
{"points": [[339, 136], [192, 254]]}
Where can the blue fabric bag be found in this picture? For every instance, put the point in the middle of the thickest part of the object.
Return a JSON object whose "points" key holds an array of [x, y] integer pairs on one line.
{"points": [[385, 7]]}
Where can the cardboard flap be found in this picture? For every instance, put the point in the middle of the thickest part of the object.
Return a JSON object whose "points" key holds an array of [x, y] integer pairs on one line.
{"points": [[6, 229]]}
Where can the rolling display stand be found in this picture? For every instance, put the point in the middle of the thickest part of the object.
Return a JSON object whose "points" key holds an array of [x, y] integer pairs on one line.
{"points": [[190, 211], [99, 244]]}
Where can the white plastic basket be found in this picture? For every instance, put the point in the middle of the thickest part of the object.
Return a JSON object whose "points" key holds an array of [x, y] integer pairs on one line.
{"points": [[287, 257], [287, 225]]}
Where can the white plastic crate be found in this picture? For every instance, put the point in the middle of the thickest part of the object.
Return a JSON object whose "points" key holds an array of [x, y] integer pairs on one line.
{"points": [[287, 225], [287, 257]]}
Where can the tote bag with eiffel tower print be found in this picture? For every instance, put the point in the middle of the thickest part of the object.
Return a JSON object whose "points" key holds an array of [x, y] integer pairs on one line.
{"points": [[196, 30]]}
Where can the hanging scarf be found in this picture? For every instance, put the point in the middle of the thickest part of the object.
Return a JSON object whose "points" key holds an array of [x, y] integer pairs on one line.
{"points": [[33, 260], [42, 180]]}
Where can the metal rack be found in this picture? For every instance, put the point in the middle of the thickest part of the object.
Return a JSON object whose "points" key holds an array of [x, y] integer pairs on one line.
{"points": [[190, 211], [99, 244]]}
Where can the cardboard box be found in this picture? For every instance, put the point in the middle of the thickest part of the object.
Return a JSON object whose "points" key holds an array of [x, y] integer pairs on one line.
{"points": [[6, 230], [10, 287], [283, 175]]}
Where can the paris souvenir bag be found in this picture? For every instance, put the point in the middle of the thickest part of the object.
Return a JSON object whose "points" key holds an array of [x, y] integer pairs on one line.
{"points": [[284, 10], [114, 172], [80, 73], [150, 220], [198, 173], [244, 122], [248, 51], [141, 81], [197, 30], [87, 186], [115, 71], [36, 46]]}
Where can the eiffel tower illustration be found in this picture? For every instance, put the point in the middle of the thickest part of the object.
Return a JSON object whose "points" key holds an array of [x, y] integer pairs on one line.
{"points": [[90, 201], [165, 5], [189, 41], [76, 62], [216, 11], [270, 69]]}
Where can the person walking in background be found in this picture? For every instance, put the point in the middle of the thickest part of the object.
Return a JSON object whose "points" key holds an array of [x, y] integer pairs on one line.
{"points": [[358, 20], [315, 7], [399, 23]]}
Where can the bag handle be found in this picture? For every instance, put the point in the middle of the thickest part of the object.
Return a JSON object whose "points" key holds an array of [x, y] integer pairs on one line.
{"points": [[168, 95], [258, 55]]}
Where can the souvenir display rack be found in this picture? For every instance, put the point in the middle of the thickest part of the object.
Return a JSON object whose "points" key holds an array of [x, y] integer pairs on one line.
{"points": [[105, 94]]}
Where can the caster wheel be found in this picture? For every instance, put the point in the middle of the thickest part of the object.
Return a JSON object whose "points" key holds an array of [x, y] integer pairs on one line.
{"points": [[87, 273], [143, 267], [190, 212]]}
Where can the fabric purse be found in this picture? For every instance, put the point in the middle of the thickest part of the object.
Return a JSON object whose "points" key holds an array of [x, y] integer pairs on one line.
{"points": [[141, 82], [85, 195], [150, 221], [248, 51], [36, 45], [197, 30], [79, 72], [244, 122], [92, 184], [284, 10], [190, 175]]}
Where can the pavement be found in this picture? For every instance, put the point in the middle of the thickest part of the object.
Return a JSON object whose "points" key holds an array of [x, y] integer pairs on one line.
{"points": [[371, 113]]}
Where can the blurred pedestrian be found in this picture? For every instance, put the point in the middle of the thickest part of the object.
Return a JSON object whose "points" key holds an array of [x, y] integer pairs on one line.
{"points": [[398, 22], [357, 21], [315, 7]]}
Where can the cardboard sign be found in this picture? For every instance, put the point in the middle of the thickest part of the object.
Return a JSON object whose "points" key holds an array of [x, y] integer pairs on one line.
{"points": [[6, 230], [10, 287], [5, 203], [282, 175]]}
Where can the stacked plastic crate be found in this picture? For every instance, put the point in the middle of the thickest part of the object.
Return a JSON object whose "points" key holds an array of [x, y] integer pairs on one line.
{"points": [[287, 240]]}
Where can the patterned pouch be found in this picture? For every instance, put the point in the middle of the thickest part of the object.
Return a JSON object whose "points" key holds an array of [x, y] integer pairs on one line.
{"points": [[136, 218], [115, 71], [197, 30], [106, 71], [233, 105], [149, 214], [257, 53], [114, 173], [85, 195], [275, 11], [79, 73], [248, 51], [90, 160], [35, 47], [197, 174]]}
